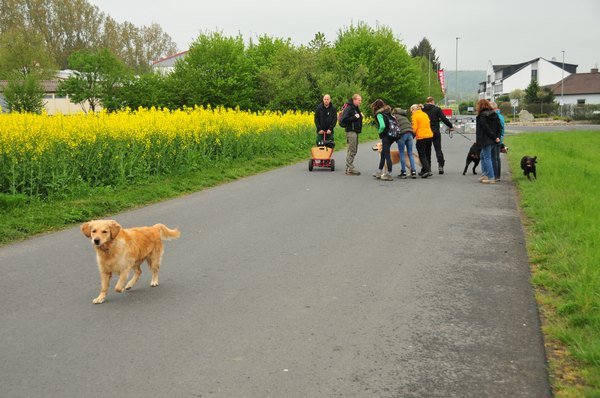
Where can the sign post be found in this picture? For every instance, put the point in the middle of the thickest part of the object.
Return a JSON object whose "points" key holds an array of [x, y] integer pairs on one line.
{"points": [[514, 103]]}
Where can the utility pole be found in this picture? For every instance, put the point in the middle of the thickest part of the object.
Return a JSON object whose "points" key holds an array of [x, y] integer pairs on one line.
{"points": [[562, 86], [456, 71], [429, 73]]}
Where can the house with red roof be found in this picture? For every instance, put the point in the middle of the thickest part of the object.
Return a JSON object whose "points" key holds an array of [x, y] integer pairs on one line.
{"points": [[166, 65], [578, 89]]}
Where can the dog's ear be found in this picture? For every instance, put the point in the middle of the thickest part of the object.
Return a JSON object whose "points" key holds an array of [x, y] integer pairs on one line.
{"points": [[86, 229], [535, 159], [114, 228]]}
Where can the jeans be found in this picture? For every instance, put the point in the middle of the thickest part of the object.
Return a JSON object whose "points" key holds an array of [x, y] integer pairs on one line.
{"points": [[386, 158], [496, 160], [406, 140], [424, 147], [487, 168]]}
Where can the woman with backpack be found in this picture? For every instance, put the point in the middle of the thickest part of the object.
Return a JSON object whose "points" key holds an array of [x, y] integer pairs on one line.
{"points": [[405, 141], [388, 131]]}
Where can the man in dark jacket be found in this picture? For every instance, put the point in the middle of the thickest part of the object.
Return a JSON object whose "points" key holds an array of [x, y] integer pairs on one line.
{"points": [[435, 116], [351, 120], [325, 120]]}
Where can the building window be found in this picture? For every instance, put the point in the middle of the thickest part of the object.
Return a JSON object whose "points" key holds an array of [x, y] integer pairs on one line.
{"points": [[581, 102], [534, 74]]}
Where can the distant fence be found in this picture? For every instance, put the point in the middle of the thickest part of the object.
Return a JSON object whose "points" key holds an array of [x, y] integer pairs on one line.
{"points": [[575, 112]]}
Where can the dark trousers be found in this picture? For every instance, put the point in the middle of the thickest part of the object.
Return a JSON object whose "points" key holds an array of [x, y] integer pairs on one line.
{"points": [[386, 158], [496, 160], [321, 139], [437, 145], [424, 147]]}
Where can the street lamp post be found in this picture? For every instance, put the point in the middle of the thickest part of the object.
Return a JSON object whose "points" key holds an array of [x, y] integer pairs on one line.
{"points": [[429, 74], [456, 71], [562, 86]]}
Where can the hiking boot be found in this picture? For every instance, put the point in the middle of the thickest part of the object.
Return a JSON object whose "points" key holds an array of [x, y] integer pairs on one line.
{"points": [[441, 170], [413, 175], [352, 172], [386, 177], [378, 174], [426, 174], [489, 181], [482, 178], [402, 175]]}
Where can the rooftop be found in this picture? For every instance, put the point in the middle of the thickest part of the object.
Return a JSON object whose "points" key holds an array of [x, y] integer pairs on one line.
{"points": [[579, 83]]}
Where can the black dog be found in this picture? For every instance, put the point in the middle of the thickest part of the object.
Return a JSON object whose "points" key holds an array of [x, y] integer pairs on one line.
{"points": [[473, 156], [528, 166]]}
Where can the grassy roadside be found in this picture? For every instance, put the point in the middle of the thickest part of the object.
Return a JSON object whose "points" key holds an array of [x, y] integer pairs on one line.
{"points": [[562, 214], [22, 217]]}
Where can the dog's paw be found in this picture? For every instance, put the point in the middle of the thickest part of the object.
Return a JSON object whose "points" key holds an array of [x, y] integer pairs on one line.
{"points": [[98, 300], [154, 284], [119, 289]]}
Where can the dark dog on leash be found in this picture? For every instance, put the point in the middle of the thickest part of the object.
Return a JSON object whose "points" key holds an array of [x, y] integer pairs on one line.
{"points": [[528, 166], [473, 156]]}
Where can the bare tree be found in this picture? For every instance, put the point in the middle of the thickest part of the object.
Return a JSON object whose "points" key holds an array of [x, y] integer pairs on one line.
{"points": [[71, 25]]}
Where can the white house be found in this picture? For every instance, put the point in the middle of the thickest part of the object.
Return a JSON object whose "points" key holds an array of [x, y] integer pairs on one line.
{"points": [[166, 65], [53, 103], [502, 79], [579, 89]]}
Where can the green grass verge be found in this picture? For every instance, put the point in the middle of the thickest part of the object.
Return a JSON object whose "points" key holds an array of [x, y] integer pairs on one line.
{"points": [[22, 216], [562, 214]]}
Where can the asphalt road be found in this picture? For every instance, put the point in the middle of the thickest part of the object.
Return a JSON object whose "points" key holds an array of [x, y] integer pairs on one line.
{"points": [[289, 284]]}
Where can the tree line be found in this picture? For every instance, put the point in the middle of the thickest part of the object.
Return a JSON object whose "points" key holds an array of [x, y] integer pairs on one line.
{"points": [[263, 73]]}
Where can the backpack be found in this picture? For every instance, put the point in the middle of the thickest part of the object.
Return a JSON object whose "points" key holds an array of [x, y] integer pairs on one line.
{"points": [[341, 114], [393, 127]]}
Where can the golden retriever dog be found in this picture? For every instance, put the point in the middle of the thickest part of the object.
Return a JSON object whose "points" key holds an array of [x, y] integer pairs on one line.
{"points": [[395, 154], [119, 250]]}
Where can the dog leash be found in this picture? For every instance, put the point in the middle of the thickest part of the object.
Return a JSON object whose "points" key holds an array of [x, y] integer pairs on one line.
{"points": [[450, 134], [464, 136]]}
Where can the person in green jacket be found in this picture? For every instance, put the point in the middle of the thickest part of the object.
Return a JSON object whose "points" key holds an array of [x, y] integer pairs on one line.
{"points": [[383, 113]]}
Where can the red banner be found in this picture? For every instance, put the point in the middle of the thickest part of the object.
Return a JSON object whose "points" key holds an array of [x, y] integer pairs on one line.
{"points": [[442, 80]]}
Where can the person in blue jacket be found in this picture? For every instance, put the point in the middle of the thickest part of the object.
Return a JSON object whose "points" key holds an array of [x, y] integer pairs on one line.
{"points": [[496, 149]]}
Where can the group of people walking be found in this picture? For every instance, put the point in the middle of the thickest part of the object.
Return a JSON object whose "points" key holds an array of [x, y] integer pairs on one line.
{"points": [[424, 128]]}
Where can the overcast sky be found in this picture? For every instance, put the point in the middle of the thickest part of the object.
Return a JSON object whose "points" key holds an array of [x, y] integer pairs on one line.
{"points": [[505, 32]]}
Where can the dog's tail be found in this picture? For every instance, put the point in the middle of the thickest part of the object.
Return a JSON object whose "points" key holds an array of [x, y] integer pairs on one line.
{"points": [[166, 233]]}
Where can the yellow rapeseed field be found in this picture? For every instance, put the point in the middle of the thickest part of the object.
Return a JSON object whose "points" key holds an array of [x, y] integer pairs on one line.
{"points": [[41, 154]]}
